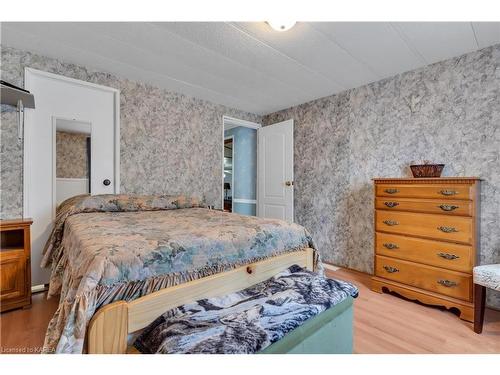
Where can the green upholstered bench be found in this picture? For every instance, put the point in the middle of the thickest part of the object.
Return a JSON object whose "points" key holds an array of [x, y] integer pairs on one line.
{"points": [[297, 312], [331, 332]]}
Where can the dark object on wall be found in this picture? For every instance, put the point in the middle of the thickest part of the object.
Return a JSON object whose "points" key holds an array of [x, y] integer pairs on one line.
{"points": [[89, 163], [17, 97], [426, 170]]}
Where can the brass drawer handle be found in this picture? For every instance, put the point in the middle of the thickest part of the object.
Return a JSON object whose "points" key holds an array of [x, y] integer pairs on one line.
{"points": [[447, 229], [448, 192], [448, 256], [391, 191], [390, 222], [391, 269], [390, 246], [448, 207], [391, 204], [447, 283]]}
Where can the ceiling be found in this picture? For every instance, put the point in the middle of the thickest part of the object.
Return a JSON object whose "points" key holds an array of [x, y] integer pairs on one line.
{"points": [[249, 66]]}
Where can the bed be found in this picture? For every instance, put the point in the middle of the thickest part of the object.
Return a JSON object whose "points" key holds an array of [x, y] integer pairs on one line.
{"points": [[119, 261]]}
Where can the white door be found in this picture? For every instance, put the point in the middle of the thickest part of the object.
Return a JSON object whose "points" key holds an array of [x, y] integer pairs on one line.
{"points": [[275, 171], [58, 97]]}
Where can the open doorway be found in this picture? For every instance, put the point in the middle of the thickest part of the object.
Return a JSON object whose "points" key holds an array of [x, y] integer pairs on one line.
{"points": [[228, 173], [239, 183]]}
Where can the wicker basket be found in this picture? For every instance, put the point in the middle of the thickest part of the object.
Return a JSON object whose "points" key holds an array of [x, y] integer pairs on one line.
{"points": [[426, 170]]}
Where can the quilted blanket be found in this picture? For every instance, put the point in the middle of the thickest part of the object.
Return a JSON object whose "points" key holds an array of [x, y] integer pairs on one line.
{"points": [[247, 321], [107, 248]]}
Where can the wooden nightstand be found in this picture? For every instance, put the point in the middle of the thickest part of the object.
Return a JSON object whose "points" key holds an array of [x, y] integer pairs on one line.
{"points": [[15, 264]]}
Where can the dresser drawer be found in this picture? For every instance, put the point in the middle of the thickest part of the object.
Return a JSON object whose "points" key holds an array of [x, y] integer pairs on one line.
{"points": [[450, 283], [437, 191], [445, 207], [434, 253], [449, 228]]}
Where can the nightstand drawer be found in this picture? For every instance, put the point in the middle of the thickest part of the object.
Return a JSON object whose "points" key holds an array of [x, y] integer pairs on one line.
{"points": [[434, 279], [435, 253], [449, 228], [442, 206], [436, 191]]}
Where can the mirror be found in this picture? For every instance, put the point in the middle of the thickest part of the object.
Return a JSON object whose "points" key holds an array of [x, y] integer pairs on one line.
{"points": [[72, 158]]}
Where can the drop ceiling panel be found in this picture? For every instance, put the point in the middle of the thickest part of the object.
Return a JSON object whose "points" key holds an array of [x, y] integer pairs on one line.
{"points": [[487, 33], [187, 60], [30, 42], [437, 41], [137, 56], [228, 41], [314, 49], [249, 66], [376, 44]]}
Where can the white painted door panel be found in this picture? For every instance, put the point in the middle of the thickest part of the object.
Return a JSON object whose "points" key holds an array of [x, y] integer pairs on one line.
{"points": [[64, 98], [275, 171]]}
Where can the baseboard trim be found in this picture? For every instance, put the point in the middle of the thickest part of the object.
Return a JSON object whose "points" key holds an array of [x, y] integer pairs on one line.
{"points": [[244, 200], [330, 266], [39, 288]]}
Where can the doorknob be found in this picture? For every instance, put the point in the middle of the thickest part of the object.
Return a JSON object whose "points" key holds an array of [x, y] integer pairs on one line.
{"points": [[106, 182], [289, 183]]}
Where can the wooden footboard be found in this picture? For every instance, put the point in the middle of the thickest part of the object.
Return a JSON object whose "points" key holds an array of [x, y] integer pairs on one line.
{"points": [[110, 326]]}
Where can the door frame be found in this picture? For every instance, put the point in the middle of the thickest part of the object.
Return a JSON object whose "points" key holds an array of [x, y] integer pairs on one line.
{"points": [[232, 174], [29, 124], [233, 122]]}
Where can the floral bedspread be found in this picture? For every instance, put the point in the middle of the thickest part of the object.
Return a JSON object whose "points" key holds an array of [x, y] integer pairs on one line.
{"points": [[107, 248]]}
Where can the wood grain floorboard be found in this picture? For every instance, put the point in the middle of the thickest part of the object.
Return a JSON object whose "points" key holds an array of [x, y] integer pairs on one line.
{"points": [[383, 323], [23, 330]]}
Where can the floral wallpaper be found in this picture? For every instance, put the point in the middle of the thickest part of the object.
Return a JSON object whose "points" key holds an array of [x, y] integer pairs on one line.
{"points": [[170, 143], [448, 112], [71, 155]]}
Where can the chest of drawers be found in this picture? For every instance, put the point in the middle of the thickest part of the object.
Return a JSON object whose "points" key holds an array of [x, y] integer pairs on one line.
{"points": [[426, 237]]}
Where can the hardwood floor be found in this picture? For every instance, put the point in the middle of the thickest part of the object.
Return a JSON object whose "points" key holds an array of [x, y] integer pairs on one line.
{"points": [[23, 330], [383, 323]]}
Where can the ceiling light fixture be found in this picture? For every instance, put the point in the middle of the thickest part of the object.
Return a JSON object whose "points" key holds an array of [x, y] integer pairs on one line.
{"points": [[281, 25]]}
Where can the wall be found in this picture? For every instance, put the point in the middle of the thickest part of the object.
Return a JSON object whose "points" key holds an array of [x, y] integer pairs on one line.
{"points": [[157, 127], [447, 112], [71, 155], [244, 168]]}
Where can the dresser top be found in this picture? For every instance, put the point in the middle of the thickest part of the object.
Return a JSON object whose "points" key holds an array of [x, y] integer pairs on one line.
{"points": [[426, 180]]}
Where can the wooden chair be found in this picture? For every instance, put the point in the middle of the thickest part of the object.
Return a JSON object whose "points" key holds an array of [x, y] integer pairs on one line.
{"points": [[487, 276]]}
